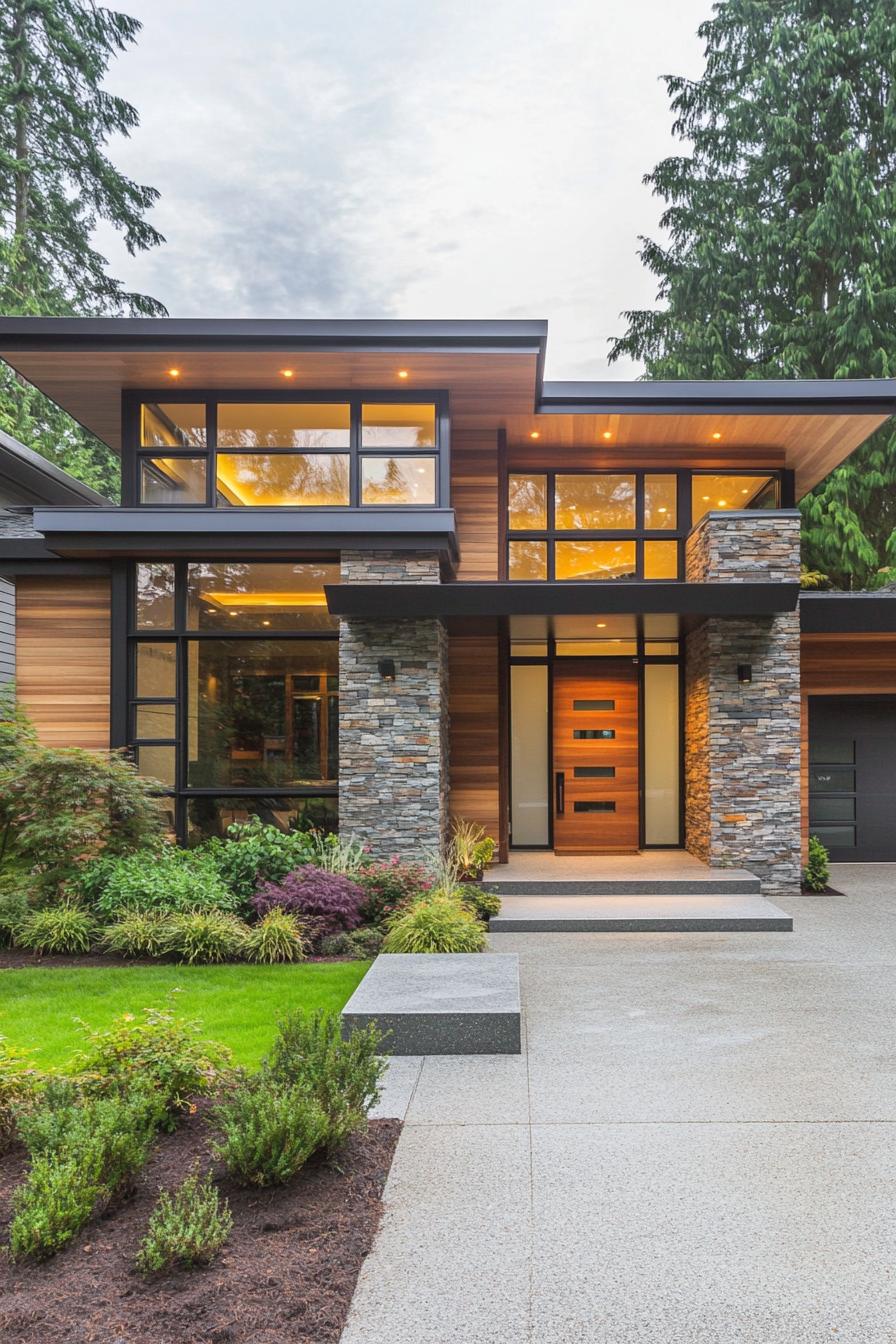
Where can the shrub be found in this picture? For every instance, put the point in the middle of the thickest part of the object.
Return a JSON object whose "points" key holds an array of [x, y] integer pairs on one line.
{"points": [[436, 924], [165, 881], [389, 887], [206, 936], [342, 1076], [187, 1227], [276, 937], [162, 1051], [18, 736], [265, 1132], [484, 904], [816, 872], [62, 807], [19, 1084], [327, 902], [138, 934], [337, 854], [59, 928], [82, 1152], [360, 945], [471, 848], [256, 853], [14, 910]]}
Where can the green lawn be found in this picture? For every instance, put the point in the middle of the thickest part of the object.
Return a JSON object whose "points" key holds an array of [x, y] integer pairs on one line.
{"points": [[237, 1005]]}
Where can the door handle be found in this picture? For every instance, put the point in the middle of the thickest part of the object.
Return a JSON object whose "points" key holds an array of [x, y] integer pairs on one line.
{"points": [[560, 789]]}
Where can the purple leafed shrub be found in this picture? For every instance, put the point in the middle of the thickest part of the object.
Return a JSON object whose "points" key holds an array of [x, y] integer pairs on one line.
{"points": [[327, 903]]}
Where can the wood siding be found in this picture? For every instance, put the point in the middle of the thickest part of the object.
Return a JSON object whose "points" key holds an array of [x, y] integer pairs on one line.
{"points": [[855, 664], [474, 700], [62, 659]]}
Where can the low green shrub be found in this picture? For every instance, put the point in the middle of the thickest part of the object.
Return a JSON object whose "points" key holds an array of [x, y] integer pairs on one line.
{"points": [[19, 1086], [206, 936], [276, 937], [165, 881], [343, 1076], [158, 1050], [390, 886], [83, 1150], [138, 934], [435, 924], [484, 904], [187, 1227], [64, 928], [14, 910], [361, 944], [817, 871], [266, 1133], [254, 853]]}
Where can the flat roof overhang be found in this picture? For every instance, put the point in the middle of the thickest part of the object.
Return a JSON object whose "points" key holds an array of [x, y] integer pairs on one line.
{"points": [[98, 533], [848, 613], [413, 601]]}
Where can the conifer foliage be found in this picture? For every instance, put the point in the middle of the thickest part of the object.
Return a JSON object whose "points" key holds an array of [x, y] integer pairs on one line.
{"points": [[779, 255]]}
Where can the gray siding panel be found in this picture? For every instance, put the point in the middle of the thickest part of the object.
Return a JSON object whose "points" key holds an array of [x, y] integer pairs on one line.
{"points": [[7, 631]]}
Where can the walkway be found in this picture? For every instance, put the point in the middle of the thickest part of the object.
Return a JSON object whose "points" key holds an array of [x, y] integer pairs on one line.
{"points": [[697, 1147]]}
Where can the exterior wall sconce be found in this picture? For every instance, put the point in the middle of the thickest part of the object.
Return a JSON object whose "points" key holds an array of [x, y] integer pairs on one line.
{"points": [[386, 669], [744, 673]]}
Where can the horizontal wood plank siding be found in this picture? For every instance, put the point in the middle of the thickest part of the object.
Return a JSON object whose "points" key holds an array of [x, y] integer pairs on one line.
{"points": [[62, 659], [855, 664], [474, 742], [474, 495]]}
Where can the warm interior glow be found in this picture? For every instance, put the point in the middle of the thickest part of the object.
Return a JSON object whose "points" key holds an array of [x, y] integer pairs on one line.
{"points": [[534, 434], [228, 600]]}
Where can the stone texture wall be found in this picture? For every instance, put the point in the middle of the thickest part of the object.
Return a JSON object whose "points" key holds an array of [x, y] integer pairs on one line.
{"points": [[742, 742], [393, 735]]}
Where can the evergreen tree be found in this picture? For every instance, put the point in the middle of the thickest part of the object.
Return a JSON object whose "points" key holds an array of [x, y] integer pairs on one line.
{"points": [[780, 259], [56, 185]]}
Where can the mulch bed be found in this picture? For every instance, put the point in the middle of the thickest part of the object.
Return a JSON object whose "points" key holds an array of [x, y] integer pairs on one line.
{"points": [[828, 891], [286, 1276]]}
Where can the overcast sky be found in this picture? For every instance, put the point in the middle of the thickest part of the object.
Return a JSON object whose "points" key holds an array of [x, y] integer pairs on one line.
{"points": [[405, 158]]}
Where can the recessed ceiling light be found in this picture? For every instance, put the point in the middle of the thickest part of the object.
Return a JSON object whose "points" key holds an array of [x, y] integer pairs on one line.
{"points": [[534, 434], [233, 613], [717, 435], [601, 625], [745, 492], [174, 373], [608, 434], [288, 373], [723, 503], [705, 497], [662, 510], [403, 373], [265, 622]]}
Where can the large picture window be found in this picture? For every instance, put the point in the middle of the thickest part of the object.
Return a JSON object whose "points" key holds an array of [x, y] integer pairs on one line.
{"points": [[616, 525], [234, 690], [363, 451]]}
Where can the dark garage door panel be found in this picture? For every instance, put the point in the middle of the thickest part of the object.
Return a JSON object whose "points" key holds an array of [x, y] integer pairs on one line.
{"points": [[852, 776]]}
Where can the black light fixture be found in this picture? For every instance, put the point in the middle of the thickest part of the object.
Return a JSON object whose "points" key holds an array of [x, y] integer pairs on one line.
{"points": [[386, 668], [744, 673]]}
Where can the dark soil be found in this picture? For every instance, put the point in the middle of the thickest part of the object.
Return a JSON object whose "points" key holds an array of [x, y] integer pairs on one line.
{"points": [[828, 891], [286, 1276], [13, 959]]}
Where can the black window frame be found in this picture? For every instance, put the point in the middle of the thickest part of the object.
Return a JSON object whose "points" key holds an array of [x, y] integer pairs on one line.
{"points": [[181, 635], [135, 452], [639, 534]]}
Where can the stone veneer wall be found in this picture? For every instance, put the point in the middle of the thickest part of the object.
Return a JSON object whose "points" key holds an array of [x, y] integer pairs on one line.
{"points": [[742, 742], [393, 736]]}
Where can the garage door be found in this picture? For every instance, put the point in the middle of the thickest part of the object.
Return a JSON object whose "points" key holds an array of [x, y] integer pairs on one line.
{"points": [[852, 777]]}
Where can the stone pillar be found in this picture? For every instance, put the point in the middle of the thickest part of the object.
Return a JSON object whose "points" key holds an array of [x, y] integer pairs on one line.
{"points": [[393, 735], [742, 742]]}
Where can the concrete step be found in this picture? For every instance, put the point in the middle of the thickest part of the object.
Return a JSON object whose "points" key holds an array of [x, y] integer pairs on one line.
{"points": [[716, 912], [730, 882]]}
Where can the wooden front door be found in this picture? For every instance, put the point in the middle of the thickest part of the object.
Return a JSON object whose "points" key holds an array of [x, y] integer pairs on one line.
{"points": [[596, 786]]}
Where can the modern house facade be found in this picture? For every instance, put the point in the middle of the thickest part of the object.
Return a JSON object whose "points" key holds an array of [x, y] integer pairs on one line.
{"points": [[376, 574]]}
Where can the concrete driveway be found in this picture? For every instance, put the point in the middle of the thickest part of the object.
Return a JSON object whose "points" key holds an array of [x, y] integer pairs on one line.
{"points": [[696, 1147]]}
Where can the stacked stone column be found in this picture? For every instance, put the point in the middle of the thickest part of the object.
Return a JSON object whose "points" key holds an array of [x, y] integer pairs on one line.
{"points": [[393, 735], [742, 740]]}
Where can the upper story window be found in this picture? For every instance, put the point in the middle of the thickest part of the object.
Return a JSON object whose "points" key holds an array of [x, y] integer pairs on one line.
{"points": [[593, 525], [293, 454]]}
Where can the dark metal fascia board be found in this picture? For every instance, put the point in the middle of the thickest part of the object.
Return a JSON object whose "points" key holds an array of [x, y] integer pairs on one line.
{"points": [[847, 613], [568, 599], [828, 396]]}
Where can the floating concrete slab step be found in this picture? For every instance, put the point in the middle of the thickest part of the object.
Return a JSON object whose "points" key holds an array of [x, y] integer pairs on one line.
{"points": [[441, 1003], [715, 913], [731, 882]]}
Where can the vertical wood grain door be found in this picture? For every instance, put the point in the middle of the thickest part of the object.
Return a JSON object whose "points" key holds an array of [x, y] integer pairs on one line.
{"points": [[596, 784]]}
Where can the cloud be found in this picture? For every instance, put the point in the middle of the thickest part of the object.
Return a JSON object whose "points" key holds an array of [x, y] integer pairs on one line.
{"points": [[449, 159]]}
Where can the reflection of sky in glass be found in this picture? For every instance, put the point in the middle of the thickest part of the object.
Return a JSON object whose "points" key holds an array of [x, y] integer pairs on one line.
{"points": [[284, 479], [155, 596], [527, 505], [594, 503], [281, 425], [399, 426], [398, 480]]}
